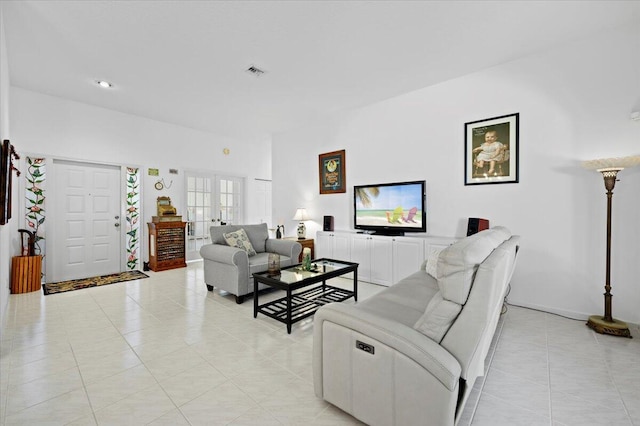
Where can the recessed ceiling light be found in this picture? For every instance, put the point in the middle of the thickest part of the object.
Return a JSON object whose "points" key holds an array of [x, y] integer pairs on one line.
{"points": [[104, 84]]}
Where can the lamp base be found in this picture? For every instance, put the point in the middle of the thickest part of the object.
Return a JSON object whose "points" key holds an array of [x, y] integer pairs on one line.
{"points": [[614, 328], [302, 231]]}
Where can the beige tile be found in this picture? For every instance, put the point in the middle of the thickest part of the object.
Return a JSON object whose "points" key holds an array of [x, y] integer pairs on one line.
{"points": [[25, 373], [574, 410], [62, 409], [39, 352], [157, 349], [220, 405], [263, 379], [105, 392], [36, 391], [518, 392], [89, 420], [293, 403], [190, 384], [101, 368], [173, 363], [172, 418], [493, 411], [255, 416], [296, 359], [537, 367], [89, 353], [139, 408]]}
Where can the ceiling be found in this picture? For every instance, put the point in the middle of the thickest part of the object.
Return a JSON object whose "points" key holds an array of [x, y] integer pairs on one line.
{"points": [[184, 62]]}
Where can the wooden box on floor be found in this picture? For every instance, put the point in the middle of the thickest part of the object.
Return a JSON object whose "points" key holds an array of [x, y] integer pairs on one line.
{"points": [[26, 274]]}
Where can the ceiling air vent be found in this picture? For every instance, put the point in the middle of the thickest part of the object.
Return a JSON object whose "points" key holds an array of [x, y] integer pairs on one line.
{"points": [[255, 71]]}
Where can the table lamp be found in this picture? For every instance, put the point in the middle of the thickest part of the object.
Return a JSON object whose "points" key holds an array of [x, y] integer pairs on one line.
{"points": [[301, 215]]}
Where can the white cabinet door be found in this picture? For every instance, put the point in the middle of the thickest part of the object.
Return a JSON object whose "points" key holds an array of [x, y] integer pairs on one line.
{"points": [[341, 246], [375, 256], [324, 245], [333, 245], [361, 254], [408, 255], [381, 266]]}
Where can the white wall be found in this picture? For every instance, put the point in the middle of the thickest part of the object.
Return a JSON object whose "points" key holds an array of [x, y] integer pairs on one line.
{"points": [[7, 232], [574, 104], [53, 127]]}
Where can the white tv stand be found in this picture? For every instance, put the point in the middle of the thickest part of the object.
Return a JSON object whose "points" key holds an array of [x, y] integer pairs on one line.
{"points": [[383, 260]]}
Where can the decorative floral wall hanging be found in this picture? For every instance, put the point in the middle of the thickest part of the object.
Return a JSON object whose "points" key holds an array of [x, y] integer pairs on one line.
{"points": [[35, 214], [132, 216]]}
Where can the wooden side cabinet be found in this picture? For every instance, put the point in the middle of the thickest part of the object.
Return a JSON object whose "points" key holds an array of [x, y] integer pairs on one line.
{"points": [[166, 245], [306, 243]]}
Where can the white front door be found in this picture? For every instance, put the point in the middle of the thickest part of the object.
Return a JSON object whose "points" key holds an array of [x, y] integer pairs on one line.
{"points": [[87, 234]]}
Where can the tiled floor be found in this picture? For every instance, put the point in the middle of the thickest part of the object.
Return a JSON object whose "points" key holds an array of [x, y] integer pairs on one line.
{"points": [[164, 351]]}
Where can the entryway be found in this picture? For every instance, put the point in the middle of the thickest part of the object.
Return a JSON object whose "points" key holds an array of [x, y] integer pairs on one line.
{"points": [[86, 212]]}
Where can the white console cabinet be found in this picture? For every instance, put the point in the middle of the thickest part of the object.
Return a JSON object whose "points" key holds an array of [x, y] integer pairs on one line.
{"points": [[382, 260], [375, 256], [333, 245]]}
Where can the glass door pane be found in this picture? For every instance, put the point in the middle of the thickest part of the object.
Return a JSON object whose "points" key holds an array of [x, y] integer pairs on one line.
{"points": [[198, 213], [230, 209]]}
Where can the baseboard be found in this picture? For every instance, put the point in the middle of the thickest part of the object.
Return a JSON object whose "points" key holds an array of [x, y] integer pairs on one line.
{"points": [[562, 312], [581, 316]]}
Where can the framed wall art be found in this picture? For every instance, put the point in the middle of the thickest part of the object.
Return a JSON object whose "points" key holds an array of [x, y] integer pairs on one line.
{"points": [[491, 150], [7, 155], [332, 172]]}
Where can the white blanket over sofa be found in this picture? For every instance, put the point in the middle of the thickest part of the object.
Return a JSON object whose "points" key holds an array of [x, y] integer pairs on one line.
{"points": [[410, 354]]}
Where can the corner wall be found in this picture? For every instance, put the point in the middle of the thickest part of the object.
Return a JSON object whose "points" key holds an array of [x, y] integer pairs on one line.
{"points": [[574, 103], [5, 230]]}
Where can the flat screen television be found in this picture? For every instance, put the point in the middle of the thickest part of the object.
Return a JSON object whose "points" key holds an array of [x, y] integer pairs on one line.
{"points": [[390, 208]]}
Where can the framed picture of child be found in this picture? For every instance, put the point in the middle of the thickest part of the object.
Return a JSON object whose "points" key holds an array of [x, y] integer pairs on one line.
{"points": [[491, 150]]}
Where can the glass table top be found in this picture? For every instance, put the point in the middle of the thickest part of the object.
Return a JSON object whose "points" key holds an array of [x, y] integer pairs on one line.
{"points": [[294, 274]]}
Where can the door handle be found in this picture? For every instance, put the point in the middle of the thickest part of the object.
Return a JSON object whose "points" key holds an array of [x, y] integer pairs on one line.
{"points": [[117, 225], [117, 217]]}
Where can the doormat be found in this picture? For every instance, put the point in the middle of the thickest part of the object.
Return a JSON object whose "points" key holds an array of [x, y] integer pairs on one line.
{"points": [[70, 285]]}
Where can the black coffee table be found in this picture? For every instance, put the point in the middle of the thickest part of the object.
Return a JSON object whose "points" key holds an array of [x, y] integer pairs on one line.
{"points": [[297, 306]]}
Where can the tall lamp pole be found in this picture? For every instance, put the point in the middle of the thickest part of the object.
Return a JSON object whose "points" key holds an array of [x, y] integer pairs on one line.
{"points": [[609, 167]]}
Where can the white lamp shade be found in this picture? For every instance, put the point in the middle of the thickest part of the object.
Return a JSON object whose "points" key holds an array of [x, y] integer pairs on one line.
{"points": [[617, 163], [301, 214]]}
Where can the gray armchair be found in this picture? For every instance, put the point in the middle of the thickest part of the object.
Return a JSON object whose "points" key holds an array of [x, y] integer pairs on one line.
{"points": [[231, 269]]}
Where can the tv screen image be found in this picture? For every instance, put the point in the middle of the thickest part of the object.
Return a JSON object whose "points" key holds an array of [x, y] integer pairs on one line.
{"points": [[390, 208]]}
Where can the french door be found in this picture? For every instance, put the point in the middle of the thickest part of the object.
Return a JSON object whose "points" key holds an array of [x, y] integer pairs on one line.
{"points": [[212, 200]]}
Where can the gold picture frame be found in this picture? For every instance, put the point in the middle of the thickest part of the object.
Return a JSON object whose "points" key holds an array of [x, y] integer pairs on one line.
{"points": [[331, 167]]}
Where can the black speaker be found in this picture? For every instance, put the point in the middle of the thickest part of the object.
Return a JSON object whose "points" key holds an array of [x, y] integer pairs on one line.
{"points": [[476, 225], [327, 223]]}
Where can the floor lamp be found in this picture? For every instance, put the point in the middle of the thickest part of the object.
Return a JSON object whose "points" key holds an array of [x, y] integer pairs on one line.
{"points": [[609, 167]]}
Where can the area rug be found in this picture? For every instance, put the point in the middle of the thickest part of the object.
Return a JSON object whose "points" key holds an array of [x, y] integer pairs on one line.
{"points": [[70, 285]]}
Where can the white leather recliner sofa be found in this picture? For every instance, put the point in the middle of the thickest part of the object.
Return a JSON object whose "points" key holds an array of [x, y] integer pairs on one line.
{"points": [[410, 354]]}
